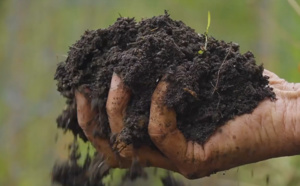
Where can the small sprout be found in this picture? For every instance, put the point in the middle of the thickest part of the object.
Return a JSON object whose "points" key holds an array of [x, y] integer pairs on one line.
{"points": [[206, 32], [203, 49], [208, 22]]}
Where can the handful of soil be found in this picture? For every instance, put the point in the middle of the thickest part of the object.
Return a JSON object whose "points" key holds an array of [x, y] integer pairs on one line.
{"points": [[206, 88]]}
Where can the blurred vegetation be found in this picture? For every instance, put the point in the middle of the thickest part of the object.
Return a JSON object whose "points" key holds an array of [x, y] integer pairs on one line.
{"points": [[35, 36]]}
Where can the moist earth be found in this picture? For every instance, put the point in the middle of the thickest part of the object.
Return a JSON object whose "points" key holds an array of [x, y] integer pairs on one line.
{"points": [[207, 86]]}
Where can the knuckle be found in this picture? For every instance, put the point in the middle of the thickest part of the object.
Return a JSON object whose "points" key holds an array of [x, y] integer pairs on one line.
{"points": [[86, 121], [158, 138], [113, 108], [82, 125]]}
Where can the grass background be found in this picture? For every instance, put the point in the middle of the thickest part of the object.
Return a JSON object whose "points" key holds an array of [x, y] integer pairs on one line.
{"points": [[35, 36]]}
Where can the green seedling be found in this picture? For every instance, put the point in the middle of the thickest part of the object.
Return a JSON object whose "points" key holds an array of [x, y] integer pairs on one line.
{"points": [[207, 27], [206, 34]]}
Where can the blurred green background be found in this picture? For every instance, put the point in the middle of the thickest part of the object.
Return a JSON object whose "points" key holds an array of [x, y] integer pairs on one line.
{"points": [[35, 36]]}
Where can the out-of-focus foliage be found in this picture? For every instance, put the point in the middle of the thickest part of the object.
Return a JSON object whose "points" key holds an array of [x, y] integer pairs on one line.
{"points": [[35, 36]]}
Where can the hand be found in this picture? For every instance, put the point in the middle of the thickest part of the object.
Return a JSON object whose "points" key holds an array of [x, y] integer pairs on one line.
{"points": [[120, 155], [268, 132], [272, 130]]}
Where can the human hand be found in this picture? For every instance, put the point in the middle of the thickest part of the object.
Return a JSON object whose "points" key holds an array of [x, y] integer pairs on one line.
{"points": [[271, 130], [117, 155], [268, 132]]}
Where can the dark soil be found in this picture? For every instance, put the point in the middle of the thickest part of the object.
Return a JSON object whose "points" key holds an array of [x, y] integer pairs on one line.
{"points": [[94, 169], [70, 173], [206, 90]]}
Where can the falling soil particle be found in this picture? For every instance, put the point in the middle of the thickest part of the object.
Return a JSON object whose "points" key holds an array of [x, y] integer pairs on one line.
{"points": [[94, 170], [71, 173]]}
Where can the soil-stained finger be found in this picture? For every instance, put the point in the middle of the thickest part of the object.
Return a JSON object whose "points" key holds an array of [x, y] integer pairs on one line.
{"points": [[117, 101], [118, 98], [85, 117], [85, 114], [163, 128]]}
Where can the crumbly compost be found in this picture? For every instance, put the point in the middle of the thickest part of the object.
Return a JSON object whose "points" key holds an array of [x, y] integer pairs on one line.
{"points": [[207, 86]]}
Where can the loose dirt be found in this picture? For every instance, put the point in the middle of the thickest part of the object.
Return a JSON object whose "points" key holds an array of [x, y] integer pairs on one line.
{"points": [[206, 89]]}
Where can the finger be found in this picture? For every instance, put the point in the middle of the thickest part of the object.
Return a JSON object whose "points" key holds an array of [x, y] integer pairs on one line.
{"points": [[270, 74], [85, 117], [274, 80], [163, 128], [85, 114], [117, 101], [279, 83], [150, 157], [146, 156]]}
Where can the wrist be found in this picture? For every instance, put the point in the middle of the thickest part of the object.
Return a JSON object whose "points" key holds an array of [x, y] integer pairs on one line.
{"points": [[291, 120]]}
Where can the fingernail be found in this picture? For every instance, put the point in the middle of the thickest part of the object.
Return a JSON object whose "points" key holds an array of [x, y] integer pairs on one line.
{"points": [[115, 81]]}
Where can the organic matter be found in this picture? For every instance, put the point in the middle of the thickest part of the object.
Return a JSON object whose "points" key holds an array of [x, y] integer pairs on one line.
{"points": [[206, 89]]}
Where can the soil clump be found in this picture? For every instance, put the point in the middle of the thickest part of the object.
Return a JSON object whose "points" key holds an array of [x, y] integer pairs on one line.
{"points": [[207, 87]]}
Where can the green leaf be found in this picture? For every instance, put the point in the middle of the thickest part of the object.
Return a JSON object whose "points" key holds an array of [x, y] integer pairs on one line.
{"points": [[208, 22], [200, 52]]}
